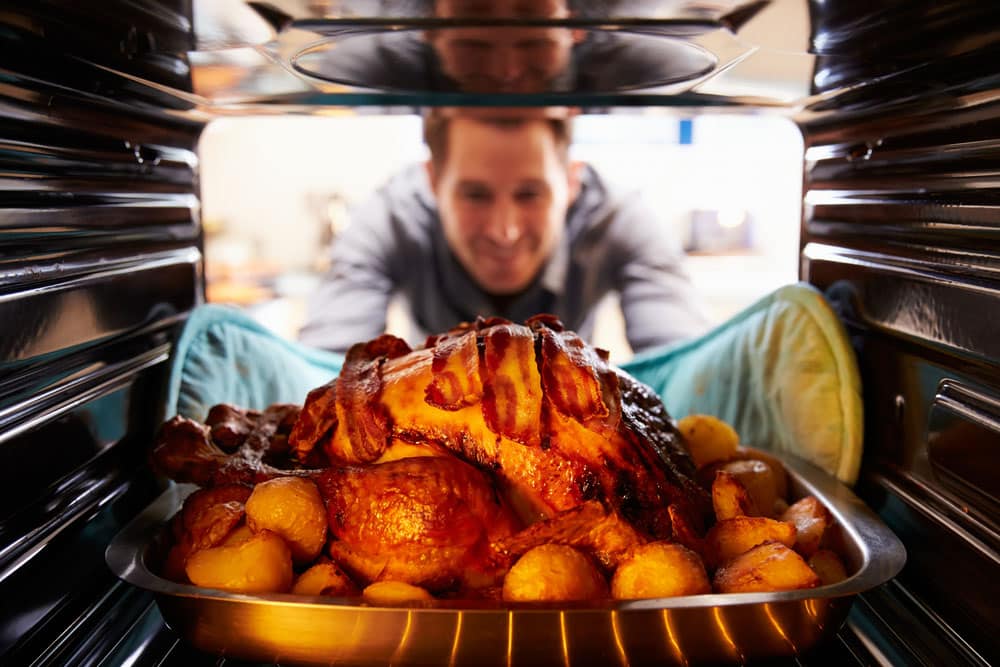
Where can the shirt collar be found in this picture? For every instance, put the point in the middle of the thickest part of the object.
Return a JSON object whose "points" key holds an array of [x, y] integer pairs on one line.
{"points": [[554, 273]]}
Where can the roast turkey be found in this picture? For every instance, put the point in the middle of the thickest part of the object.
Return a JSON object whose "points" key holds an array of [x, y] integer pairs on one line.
{"points": [[438, 465]]}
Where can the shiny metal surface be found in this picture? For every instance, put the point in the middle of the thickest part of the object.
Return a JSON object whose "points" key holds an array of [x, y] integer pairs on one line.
{"points": [[100, 262], [900, 50], [901, 229], [101, 298], [715, 628], [962, 444], [283, 11], [503, 59]]}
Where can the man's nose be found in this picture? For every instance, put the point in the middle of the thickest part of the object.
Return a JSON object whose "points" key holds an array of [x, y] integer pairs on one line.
{"points": [[506, 64], [504, 226]]}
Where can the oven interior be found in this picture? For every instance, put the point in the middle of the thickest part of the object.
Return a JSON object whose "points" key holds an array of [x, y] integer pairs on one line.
{"points": [[103, 243]]}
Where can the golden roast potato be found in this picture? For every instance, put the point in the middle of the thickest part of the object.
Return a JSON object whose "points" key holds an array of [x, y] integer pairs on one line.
{"points": [[261, 564], [746, 453], [730, 497], [708, 438], [731, 537], [828, 565], [759, 481], [553, 572], [324, 578], [239, 535], [811, 520], [660, 570], [207, 517], [770, 566], [292, 508], [395, 592]]}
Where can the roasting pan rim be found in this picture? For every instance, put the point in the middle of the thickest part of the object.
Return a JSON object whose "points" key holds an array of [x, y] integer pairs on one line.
{"points": [[715, 628]]}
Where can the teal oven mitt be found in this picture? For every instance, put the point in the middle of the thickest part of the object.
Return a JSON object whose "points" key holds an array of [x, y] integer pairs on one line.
{"points": [[224, 356], [781, 372]]}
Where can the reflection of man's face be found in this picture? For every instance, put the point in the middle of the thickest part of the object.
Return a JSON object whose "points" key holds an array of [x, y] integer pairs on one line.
{"points": [[502, 59], [503, 193]]}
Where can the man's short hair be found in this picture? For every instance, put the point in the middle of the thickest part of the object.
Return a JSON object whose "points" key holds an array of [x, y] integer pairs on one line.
{"points": [[438, 120]]}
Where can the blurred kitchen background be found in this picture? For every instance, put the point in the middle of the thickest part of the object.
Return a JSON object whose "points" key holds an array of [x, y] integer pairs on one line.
{"points": [[277, 190]]}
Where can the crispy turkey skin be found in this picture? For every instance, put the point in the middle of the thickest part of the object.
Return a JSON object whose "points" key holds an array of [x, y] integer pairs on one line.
{"points": [[533, 404]]}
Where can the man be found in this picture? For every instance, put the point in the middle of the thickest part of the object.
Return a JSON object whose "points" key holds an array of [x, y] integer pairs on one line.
{"points": [[501, 222]]}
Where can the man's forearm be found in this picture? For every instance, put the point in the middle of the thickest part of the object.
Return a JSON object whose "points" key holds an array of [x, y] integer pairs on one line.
{"points": [[343, 312]]}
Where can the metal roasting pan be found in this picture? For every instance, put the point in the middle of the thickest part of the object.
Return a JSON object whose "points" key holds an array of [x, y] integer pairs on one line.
{"points": [[716, 628]]}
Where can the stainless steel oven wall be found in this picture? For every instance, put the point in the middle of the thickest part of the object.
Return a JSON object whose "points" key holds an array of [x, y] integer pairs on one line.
{"points": [[901, 227], [100, 255]]}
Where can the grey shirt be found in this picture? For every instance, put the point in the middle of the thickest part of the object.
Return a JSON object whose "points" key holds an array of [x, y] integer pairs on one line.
{"points": [[395, 244]]}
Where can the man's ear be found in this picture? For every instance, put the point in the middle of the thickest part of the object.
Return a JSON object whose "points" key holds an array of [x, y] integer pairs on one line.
{"points": [[575, 174], [578, 35]]}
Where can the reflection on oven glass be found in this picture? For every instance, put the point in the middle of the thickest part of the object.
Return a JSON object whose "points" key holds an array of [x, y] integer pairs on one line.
{"points": [[504, 59]]}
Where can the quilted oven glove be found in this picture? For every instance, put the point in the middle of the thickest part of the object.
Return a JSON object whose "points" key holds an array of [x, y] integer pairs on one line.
{"points": [[224, 356], [781, 372]]}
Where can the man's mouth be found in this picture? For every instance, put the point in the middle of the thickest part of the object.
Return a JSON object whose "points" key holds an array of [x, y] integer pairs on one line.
{"points": [[502, 256]]}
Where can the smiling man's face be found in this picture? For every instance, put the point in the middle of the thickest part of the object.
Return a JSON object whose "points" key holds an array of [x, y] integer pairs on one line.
{"points": [[503, 59], [503, 191]]}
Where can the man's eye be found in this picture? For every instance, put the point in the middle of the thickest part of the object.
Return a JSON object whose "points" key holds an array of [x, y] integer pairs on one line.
{"points": [[476, 195], [527, 196], [535, 44], [471, 47]]}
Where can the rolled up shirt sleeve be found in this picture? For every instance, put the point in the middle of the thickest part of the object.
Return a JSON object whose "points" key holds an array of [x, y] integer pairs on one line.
{"points": [[658, 300], [351, 301]]}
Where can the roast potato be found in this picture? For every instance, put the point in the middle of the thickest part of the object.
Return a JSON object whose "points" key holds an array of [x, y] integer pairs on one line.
{"points": [[730, 497], [292, 508], [770, 566], [553, 572], [659, 570], [209, 514], [811, 520], [780, 475], [729, 538], [237, 536], [324, 578], [759, 481], [261, 564], [828, 566], [395, 592], [206, 519], [708, 438]]}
